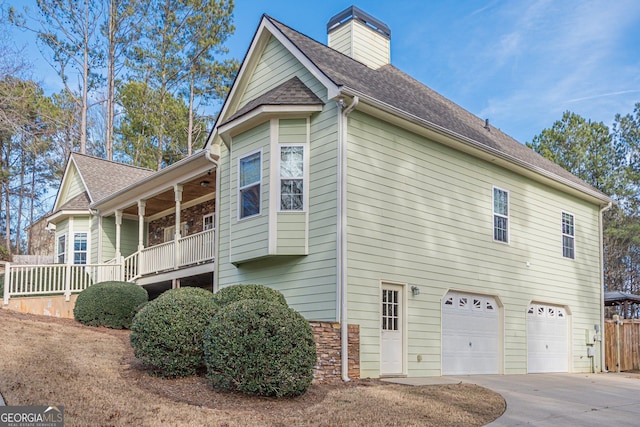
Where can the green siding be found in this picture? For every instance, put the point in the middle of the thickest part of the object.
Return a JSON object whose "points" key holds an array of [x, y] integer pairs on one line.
{"points": [[128, 237], [72, 186], [292, 131], [275, 67], [250, 235], [108, 238], [95, 231], [308, 282], [292, 233], [421, 213]]}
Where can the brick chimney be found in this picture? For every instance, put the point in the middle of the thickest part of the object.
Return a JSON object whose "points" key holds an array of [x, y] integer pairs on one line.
{"points": [[360, 36]]}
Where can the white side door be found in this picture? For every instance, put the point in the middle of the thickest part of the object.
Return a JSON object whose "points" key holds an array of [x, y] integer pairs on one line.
{"points": [[392, 330]]}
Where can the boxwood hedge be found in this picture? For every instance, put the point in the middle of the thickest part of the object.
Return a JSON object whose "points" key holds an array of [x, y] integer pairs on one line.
{"points": [[235, 293], [167, 333], [110, 304], [260, 348]]}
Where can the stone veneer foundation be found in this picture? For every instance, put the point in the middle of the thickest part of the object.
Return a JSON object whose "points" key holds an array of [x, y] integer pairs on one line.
{"points": [[328, 345]]}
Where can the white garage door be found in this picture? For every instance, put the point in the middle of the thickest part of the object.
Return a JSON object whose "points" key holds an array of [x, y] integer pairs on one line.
{"points": [[547, 339], [470, 334]]}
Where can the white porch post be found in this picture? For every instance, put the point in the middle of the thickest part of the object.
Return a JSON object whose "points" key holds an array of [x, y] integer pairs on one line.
{"points": [[177, 189], [141, 212], [118, 252], [7, 274], [118, 230]]}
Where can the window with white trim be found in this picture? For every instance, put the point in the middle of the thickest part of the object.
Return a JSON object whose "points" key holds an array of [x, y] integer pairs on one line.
{"points": [[80, 248], [249, 176], [209, 221], [568, 236], [500, 215], [62, 248], [169, 232], [292, 178]]}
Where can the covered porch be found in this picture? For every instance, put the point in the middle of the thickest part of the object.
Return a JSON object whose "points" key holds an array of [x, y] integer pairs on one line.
{"points": [[160, 230], [173, 212]]}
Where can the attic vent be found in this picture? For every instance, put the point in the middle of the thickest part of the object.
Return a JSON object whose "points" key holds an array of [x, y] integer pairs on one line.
{"points": [[361, 36], [486, 124]]}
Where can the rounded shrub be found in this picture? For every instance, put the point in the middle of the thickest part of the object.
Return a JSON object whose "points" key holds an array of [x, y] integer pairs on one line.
{"points": [[110, 304], [167, 333], [260, 348], [235, 293]]}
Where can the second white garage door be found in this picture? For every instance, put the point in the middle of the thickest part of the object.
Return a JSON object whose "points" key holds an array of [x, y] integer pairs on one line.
{"points": [[547, 339], [470, 334]]}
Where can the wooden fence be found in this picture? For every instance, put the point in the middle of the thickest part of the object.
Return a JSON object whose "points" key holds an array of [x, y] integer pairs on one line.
{"points": [[629, 343]]}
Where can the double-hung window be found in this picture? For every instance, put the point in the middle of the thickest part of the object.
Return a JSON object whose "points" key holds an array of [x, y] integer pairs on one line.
{"points": [[292, 178], [568, 236], [62, 248], [80, 248], [500, 215], [209, 222], [249, 175]]}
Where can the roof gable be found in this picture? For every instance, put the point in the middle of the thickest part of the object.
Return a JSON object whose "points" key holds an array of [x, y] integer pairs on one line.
{"points": [[87, 179]]}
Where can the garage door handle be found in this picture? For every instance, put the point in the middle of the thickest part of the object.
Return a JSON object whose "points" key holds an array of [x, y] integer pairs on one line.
{"points": [[469, 343]]}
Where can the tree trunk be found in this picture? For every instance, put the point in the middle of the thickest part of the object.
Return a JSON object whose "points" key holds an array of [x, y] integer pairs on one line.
{"points": [[190, 128], [111, 77]]}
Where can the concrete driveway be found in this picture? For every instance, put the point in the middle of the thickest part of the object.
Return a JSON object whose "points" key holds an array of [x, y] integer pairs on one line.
{"points": [[558, 399]]}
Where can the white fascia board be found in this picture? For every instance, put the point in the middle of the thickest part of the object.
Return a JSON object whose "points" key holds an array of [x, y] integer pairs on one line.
{"points": [[258, 43], [261, 114], [66, 214]]}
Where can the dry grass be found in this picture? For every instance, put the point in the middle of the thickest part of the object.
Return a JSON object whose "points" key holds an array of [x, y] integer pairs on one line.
{"points": [[93, 374]]}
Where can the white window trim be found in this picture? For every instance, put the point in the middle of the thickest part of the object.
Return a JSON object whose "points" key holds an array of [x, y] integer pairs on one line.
{"points": [[86, 252], [66, 249], [171, 232], [493, 215], [305, 168], [568, 235], [238, 189], [213, 221]]}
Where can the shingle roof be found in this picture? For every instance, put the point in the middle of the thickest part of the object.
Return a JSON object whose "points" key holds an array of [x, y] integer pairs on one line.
{"points": [[79, 202], [291, 92], [103, 177], [393, 87]]}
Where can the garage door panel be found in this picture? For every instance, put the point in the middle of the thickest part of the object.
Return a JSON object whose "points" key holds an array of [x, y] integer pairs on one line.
{"points": [[470, 334], [547, 339]]}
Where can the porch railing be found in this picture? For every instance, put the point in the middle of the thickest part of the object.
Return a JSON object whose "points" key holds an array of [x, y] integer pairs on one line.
{"points": [[54, 279], [193, 249]]}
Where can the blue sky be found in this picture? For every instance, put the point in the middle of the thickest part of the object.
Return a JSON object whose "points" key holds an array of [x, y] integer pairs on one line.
{"points": [[519, 63]]}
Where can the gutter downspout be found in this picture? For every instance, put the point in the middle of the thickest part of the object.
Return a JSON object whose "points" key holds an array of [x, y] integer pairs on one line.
{"points": [[341, 225], [216, 234], [601, 232]]}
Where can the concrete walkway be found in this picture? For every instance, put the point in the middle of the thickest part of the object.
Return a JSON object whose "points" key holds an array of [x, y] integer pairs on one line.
{"points": [[558, 399]]}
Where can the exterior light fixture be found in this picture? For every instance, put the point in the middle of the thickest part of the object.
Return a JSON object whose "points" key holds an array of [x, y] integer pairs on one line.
{"points": [[415, 290], [204, 183]]}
